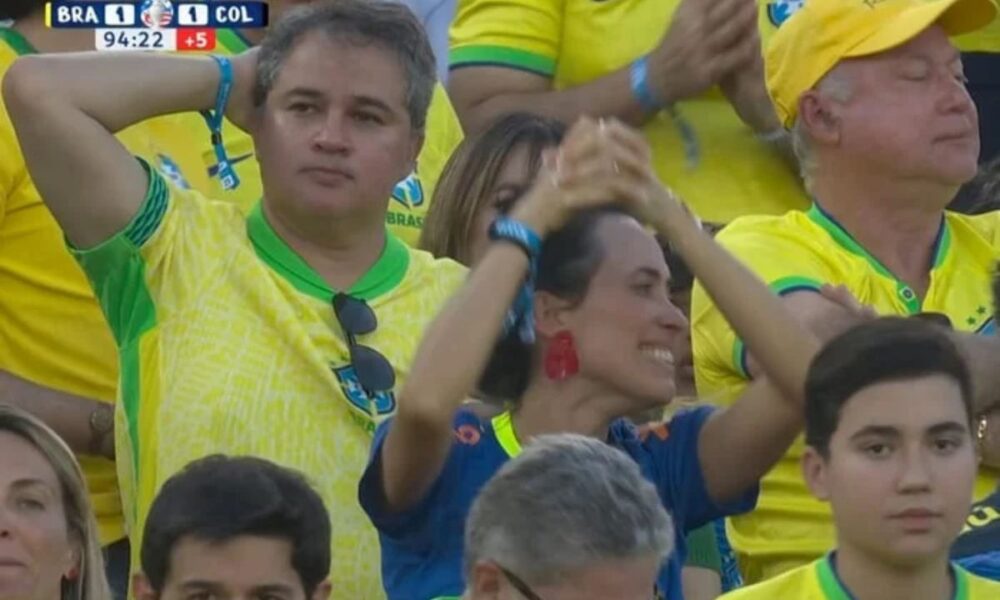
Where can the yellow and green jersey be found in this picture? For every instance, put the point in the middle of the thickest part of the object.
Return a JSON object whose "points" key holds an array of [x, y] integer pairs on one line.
{"points": [[229, 344], [52, 331], [773, 13], [800, 251], [819, 581], [411, 198], [573, 42]]}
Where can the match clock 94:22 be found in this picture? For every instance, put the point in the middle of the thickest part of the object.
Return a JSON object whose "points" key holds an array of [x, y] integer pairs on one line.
{"points": [[136, 39]]}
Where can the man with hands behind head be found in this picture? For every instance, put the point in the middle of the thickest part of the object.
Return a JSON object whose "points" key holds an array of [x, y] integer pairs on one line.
{"points": [[282, 334]]}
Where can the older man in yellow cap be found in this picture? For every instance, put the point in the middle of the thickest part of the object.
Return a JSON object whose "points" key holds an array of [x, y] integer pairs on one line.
{"points": [[873, 93]]}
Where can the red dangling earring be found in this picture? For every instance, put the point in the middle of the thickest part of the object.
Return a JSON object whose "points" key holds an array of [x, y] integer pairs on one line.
{"points": [[561, 361]]}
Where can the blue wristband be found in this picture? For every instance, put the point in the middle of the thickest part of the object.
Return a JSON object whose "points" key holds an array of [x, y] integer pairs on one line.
{"points": [[213, 118], [639, 81], [516, 232], [521, 316]]}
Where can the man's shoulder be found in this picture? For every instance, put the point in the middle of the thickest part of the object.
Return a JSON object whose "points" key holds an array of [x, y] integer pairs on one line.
{"points": [[801, 583], [794, 226], [985, 226], [434, 276], [981, 588]]}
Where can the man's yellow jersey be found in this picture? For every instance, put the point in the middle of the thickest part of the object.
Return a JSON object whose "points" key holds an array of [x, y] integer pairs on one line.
{"points": [[51, 329], [573, 42], [819, 581], [410, 200], [229, 344], [800, 251]]}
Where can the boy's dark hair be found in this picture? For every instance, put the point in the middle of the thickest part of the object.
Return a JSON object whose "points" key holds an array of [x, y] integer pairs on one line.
{"points": [[879, 351], [388, 25], [18, 9], [219, 498]]}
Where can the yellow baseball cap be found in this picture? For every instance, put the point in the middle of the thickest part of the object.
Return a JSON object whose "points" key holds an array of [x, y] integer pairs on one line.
{"points": [[824, 32]]}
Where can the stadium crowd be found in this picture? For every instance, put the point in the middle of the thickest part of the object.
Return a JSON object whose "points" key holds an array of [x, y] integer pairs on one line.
{"points": [[505, 300]]}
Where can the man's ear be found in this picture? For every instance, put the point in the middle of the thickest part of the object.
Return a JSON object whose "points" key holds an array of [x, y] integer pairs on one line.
{"points": [[551, 314], [322, 591], [815, 472], [818, 116], [142, 589], [486, 583]]}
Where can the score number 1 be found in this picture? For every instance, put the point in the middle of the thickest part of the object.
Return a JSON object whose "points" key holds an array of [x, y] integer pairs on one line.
{"points": [[195, 39]]}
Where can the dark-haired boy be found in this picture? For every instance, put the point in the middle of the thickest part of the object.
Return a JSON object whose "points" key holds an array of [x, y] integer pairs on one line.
{"points": [[890, 446], [235, 528]]}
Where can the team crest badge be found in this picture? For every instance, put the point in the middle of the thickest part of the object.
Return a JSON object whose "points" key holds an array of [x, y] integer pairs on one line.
{"points": [[169, 169], [383, 403], [409, 192], [779, 11]]}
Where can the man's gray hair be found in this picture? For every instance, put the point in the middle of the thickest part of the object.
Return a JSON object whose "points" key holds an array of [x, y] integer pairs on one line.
{"points": [[566, 503], [835, 85], [389, 25]]}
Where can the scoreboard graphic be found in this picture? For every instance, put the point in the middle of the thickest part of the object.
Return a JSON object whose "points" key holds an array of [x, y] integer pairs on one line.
{"points": [[155, 25]]}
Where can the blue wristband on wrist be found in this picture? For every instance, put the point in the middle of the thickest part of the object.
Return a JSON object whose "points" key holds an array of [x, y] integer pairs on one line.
{"points": [[213, 118], [521, 316], [639, 82]]}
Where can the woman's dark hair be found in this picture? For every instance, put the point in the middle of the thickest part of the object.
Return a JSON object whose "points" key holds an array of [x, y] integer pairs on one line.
{"points": [[18, 9], [567, 263], [471, 174], [217, 498]]}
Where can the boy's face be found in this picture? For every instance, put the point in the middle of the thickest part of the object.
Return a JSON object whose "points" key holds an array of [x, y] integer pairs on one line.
{"points": [[900, 470], [242, 568]]}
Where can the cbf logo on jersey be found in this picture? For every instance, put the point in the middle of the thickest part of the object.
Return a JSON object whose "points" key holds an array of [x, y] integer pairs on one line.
{"points": [[779, 11], [156, 13], [409, 192], [380, 404]]}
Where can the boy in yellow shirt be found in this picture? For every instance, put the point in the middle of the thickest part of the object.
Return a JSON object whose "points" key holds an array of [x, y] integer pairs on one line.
{"points": [[891, 448]]}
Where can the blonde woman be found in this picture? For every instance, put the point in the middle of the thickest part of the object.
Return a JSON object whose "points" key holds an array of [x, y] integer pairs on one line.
{"points": [[48, 537]]}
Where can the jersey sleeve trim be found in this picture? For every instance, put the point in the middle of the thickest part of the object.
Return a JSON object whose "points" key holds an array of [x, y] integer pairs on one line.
{"points": [[501, 56], [781, 287]]}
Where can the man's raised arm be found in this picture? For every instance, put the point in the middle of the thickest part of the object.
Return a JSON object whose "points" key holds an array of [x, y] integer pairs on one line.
{"points": [[65, 109]]}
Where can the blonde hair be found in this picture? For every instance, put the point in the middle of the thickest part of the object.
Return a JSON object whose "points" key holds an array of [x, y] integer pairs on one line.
{"points": [[470, 175], [80, 522]]}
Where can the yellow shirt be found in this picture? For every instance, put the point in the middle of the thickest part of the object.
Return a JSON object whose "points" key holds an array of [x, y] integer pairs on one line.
{"points": [[51, 329], [229, 344], [574, 42], [411, 198], [775, 12], [801, 251], [819, 581]]}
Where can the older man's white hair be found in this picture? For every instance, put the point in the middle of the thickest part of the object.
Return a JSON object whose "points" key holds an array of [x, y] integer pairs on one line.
{"points": [[566, 503], [835, 85]]}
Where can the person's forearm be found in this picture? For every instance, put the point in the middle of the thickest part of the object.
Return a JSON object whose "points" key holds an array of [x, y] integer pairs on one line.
{"points": [[606, 97], [982, 355], [783, 346], [67, 414], [452, 355], [117, 89]]}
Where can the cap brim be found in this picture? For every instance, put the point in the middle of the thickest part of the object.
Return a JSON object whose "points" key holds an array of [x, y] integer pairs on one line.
{"points": [[955, 16]]}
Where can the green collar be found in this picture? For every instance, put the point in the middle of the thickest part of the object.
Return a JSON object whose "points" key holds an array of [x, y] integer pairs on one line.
{"points": [[503, 428], [942, 243], [16, 41], [383, 276], [232, 41], [834, 589]]}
